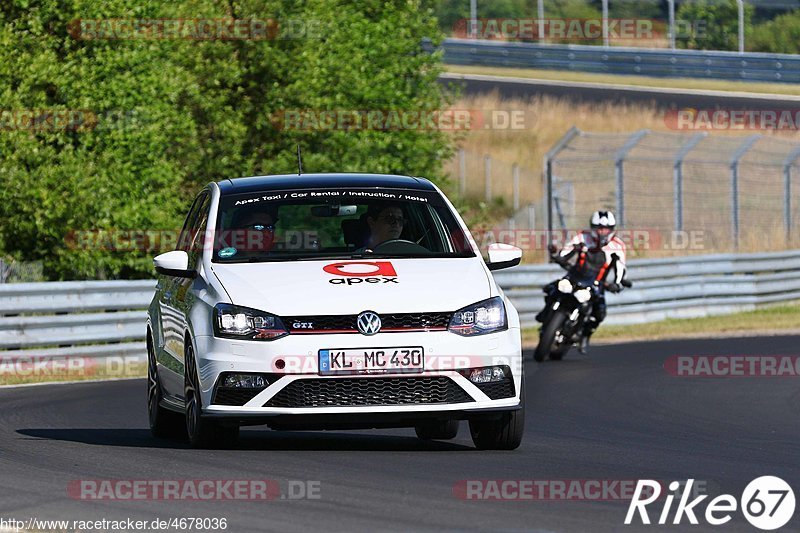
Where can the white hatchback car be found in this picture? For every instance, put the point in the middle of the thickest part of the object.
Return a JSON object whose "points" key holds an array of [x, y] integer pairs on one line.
{"points": [[332, 301]]}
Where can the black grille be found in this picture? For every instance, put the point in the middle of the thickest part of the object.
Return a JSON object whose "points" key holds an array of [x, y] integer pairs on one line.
{"points": [[347, 323], [498, 389], [340, 392], [233, 395]]}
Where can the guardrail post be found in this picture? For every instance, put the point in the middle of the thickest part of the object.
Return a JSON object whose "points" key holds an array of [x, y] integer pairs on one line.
{"points": [[462, 173], [787, 191], [548, 174], [737, 156], [619, 161], [515, 179], [677, 173], [487, 176], [605, 23]]}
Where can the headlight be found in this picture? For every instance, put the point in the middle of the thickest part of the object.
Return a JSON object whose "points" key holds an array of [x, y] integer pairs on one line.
{"points": [[235, 322], [477, 319], [565, 286], [583, 295]]}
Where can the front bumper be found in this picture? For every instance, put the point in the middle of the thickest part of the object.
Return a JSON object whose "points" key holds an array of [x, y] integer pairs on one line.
{"points": [[391, 399]]}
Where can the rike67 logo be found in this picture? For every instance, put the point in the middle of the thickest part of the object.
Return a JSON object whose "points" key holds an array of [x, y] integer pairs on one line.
{"points": [[356, 272], [767, 503]]}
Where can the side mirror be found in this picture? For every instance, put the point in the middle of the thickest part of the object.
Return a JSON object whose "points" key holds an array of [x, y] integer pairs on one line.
{"points": [[503, 256], [174, 263]]}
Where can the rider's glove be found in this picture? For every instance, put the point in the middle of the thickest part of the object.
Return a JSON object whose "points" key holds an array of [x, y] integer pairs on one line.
{"points": [[613, 287]]}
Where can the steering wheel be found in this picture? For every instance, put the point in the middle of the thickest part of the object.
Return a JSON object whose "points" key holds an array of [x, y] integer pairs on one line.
{"points": [[399, 245]]}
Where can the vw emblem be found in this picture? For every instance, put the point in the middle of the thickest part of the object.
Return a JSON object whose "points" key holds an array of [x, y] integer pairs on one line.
{"points": [[369, 323]]}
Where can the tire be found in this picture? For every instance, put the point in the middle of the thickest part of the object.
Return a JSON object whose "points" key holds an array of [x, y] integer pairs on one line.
{"points": [[437, 430], [202, 432], [548, 335], [559, 355], [504, 433], [163, 422]]}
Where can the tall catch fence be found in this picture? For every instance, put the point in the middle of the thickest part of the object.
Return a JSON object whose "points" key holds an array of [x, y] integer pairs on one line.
{"points": [[726, 193]]}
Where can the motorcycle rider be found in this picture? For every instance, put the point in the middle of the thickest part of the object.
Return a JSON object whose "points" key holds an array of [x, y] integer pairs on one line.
{"points": [[597, 252]]}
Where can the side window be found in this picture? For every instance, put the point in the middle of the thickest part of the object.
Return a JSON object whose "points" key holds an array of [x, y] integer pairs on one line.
{"points": [[184, 241], [197, 233]]}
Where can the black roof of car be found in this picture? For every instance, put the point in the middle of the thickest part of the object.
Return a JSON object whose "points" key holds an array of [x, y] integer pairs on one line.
{"points": [[321, 181]]}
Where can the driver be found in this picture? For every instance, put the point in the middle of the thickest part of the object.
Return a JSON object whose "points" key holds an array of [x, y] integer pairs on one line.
{"points": [[385, 223]]}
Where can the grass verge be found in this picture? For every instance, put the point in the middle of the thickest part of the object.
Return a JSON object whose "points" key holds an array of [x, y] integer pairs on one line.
{"points": [[639, 81], [768, 320]]}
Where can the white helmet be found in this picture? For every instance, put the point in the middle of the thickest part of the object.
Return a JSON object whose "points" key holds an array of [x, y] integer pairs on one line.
{"points": [[603, 219]]}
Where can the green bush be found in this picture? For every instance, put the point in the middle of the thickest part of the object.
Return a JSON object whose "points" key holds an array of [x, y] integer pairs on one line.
{"points": [[780, 35], [720, 22], [164, 117]]}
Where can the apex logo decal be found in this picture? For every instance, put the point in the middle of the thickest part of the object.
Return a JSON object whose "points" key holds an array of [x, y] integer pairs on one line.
{"points": [[361, 272]]}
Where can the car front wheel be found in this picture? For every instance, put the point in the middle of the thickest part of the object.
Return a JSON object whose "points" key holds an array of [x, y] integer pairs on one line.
{"points": [[202, 432], [503, 433]]}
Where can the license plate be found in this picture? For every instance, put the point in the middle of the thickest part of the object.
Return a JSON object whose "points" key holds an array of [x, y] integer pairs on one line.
{"points": [[370, 360]]}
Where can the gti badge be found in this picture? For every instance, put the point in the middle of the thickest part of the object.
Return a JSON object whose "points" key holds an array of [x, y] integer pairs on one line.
{"points": [[368, 323]]}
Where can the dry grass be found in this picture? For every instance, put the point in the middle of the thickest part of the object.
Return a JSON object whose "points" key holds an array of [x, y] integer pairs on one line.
{"points": [[546, 119]]}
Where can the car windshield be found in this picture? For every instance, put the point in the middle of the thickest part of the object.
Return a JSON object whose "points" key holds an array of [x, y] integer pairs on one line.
{"points": [[311, 224]]}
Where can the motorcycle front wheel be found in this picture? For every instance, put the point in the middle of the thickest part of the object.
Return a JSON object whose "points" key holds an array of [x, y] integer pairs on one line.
{"points": [[548, 335]]}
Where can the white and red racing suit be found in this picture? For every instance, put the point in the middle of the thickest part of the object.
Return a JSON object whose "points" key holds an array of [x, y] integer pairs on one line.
{"points": [[595, 263]]}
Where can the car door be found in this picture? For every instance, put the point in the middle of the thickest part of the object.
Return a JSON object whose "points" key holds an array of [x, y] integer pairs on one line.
{"points": [[172, 317]]}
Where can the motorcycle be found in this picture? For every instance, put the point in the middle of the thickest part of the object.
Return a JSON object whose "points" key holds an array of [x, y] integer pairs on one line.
{"points": [[567, 314]]}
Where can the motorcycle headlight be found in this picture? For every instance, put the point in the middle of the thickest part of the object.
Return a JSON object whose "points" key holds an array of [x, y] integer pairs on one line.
{"points": [[565, 286], [235, 322], [483, 317], [583, 295]]}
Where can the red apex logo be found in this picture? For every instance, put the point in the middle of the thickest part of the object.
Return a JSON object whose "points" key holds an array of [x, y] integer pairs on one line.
{"points": [[361, 269]]}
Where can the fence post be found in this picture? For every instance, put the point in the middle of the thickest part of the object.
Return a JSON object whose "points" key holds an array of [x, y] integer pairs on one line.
{"points": [[671, 23], [677, 173], [487, 176], [515, 178], [619, 161], [787, 191], [462, 173], [548, 174], [743, 148]]}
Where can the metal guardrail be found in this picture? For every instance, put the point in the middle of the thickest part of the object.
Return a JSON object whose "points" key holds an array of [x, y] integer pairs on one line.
{"points": [[106, 318], [623, 60], [679, 287], [74, 318]]}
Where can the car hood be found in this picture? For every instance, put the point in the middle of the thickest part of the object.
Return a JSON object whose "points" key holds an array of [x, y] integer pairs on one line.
{"points": [[334, 287]]}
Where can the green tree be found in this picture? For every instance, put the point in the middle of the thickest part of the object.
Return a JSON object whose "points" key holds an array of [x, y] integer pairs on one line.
{"points": [[175, 114], [719, 21], [780, 35]]}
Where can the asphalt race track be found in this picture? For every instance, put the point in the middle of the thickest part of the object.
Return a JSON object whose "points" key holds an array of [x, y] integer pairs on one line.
{"points": [[613, 415], [662, 98]]}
